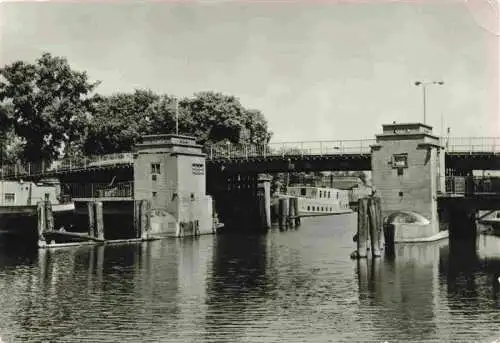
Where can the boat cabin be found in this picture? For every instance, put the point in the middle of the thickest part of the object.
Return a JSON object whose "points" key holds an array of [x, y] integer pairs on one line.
{"points": [[319, 193]]}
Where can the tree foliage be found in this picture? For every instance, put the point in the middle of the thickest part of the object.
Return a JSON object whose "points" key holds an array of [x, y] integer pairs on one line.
{"points": [[46, 107], [216, 117], [49, 104], [121, 119], [118, 121]]}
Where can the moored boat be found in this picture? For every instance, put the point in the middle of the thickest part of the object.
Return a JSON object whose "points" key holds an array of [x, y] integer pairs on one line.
{"points": [[318, 201], [492, 222]]}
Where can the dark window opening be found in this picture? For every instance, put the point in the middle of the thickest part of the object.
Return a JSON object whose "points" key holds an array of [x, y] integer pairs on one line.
{"points": [[400, 161], [10, 198], [155, 168]]}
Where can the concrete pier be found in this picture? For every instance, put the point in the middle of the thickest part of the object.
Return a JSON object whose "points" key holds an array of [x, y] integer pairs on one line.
{"points": [[170, 172], [408, 173]]}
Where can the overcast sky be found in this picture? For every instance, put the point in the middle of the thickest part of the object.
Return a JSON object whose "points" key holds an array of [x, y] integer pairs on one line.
{"points": [[318, 69]]}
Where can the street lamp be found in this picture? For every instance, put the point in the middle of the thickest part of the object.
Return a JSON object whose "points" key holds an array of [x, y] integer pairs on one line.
{"points": [[424, 85]]}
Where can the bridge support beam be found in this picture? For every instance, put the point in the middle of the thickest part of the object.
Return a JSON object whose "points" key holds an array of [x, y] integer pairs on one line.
{"points": [[462, 224], [459, 215], [243, 201]]}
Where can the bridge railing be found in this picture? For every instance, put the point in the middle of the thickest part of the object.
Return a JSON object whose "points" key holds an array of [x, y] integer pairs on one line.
{"points": [[65, 164], [471, 144], [123, 189], [470, 185], [243, 151]]}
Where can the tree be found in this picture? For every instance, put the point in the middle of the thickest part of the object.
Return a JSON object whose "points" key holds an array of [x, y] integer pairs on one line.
{"points": [[118, 121], [256, 127], [214, 117], [48, 109], [49, 101]]}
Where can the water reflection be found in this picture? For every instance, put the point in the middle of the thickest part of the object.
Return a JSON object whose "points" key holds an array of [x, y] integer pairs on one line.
{"points": [[403, 290], [294, 286], [472, 269], [125, 290], [239, 283]]}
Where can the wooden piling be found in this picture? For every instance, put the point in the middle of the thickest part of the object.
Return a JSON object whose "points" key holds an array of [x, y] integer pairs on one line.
{"points": [[380, 221], [40, 209], [145, 221], [374, 211], [49, 216], [137, 218], [90, 208], [363, 224], [291, 212], [267, 203], [296, 211], [264, 201], [275, 214], [99, 220], [261, 205], [283, 212]]}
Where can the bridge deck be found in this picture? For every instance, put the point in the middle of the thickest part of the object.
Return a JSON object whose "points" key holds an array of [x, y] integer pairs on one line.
{"points": [[462, 153]]}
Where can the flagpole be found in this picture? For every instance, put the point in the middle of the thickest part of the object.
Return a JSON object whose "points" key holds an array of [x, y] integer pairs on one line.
{"points": [[176, 116]]}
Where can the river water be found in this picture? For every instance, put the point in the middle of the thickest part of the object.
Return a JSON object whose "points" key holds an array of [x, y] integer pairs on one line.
{"points": [[286, 286]]}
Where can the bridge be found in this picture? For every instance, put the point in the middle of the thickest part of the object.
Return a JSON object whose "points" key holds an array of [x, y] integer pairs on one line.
{"points": [[462, 153], [411, 168]]}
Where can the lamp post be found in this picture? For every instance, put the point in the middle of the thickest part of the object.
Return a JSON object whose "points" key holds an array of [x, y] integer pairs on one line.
{"points": [[424, 85]]}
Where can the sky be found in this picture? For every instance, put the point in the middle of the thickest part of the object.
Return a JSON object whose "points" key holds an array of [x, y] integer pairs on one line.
{"points": [[318, 70]]}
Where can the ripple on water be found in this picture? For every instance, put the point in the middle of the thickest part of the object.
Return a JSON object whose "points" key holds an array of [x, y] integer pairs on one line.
{"points": [[295, 286]]}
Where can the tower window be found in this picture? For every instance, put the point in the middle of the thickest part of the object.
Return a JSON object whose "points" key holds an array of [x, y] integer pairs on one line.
{"points": [[400, 161], [155, 168]]}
